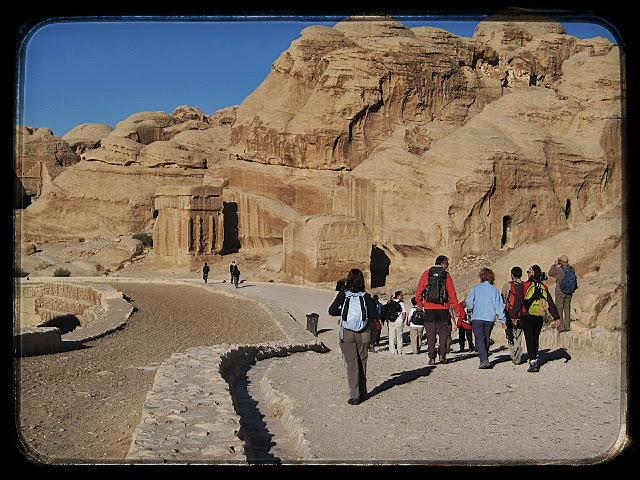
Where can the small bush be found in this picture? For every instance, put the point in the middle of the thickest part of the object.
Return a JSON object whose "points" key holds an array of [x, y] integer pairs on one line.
{"points": [[61, 272], [145, 238]]}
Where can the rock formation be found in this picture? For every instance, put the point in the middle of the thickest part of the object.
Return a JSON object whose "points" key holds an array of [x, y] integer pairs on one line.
{"points": [[189, 228], [86, 136], [430, 142], [319, 249], [40, 156]]}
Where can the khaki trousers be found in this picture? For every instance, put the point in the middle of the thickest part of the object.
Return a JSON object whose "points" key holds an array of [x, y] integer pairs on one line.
{"points": [[355, 350]]}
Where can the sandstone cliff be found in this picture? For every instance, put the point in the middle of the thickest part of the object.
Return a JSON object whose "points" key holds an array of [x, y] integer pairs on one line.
{"points": [[434, 143]]}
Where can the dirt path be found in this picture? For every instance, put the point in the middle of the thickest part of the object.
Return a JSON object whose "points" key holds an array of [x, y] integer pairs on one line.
{"points": [[83, 405]]}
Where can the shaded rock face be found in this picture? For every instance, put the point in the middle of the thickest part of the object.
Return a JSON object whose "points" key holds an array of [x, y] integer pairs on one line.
{"points": [[437, 144]]}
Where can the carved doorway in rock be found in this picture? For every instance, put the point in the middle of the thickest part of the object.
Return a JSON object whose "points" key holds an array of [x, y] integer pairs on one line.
{"points": [[379, 267], [231, 243], [506, 241]]}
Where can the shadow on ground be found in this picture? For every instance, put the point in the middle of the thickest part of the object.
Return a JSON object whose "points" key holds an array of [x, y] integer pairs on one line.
{"points": [[400, 378]]}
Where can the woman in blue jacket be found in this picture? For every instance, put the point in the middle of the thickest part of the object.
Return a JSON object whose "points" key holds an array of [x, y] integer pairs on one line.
{"points": [[485, 303]]}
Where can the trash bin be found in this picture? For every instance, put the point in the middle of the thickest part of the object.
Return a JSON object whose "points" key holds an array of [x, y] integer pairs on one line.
{"points": [[312, 323]]}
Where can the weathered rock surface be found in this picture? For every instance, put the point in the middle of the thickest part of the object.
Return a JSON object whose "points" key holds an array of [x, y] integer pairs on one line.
{"points": [[437, 144], [40, 156], [86, 136], [189, 229], [317, 247]]}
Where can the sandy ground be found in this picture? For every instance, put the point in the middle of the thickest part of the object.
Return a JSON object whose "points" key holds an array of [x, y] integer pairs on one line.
{"points": [[84, 404]]}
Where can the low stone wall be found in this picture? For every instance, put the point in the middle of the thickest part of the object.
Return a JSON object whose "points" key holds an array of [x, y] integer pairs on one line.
{"points": [[98, 308], [597, 339], [190, 415], [39, 302]]}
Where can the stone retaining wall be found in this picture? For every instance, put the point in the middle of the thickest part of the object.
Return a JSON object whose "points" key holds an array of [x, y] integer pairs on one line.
{"points": [[190, 416], [38, 302], [99, 309]]}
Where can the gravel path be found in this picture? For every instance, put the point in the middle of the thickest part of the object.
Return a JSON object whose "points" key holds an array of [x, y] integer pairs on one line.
{"points": [[84, 404], [454, 412]]}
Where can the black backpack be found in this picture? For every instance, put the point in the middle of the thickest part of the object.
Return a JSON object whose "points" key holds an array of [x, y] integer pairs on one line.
{"points": [[390, 311], [436, 289], [417, 317]]}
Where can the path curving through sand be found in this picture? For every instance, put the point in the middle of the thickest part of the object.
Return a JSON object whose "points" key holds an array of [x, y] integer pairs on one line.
{"points": [[83, 405]]}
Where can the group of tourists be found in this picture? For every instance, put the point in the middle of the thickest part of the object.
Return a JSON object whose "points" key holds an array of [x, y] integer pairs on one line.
{"points": [[520, 307]]}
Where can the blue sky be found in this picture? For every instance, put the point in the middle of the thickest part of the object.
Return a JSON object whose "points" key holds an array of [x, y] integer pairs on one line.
{"points": [[76, 72]]}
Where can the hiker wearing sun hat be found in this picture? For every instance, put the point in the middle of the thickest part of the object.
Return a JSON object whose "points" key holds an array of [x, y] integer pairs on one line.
{"points": [[566, 284]]}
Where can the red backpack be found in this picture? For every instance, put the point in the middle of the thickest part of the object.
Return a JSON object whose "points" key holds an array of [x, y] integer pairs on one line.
{"points": [[511, 296]]}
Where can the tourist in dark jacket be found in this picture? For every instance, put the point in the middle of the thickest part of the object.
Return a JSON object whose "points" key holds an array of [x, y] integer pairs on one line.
{"points": [[354, 332]]}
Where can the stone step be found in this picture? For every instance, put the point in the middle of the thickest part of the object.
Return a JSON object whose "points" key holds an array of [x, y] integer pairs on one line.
{"points": [[61, 304], [73, 291]]}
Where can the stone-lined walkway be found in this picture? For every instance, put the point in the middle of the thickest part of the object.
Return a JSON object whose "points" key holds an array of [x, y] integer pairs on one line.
{"points": [[284, 402], [203, 408]]}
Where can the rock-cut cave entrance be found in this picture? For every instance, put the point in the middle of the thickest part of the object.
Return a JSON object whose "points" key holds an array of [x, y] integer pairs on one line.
{"points": [[505, 242], [231, 242], [379, 266]]}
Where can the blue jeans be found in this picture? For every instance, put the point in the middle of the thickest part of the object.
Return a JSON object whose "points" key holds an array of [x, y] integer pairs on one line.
{"points": [[482, 332]]}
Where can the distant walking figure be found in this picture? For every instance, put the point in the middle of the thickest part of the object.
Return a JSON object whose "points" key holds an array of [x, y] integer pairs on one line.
{"points": [[205, 272], [235, 273]]}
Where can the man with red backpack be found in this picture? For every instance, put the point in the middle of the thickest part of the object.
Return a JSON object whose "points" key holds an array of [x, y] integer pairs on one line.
{"points": [[514, 328]]}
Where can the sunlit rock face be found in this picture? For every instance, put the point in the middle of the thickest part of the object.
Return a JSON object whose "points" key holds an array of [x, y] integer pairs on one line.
{"points": [[434, 143]]}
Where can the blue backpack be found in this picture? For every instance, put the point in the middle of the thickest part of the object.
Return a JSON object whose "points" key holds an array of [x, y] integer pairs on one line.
{"points": [[354, 312], [569, 283]]}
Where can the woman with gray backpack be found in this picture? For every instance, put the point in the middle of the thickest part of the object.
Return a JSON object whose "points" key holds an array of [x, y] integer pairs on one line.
{"points": [[356, 308]]}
